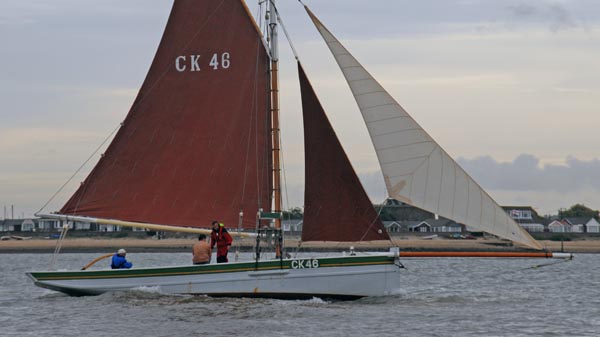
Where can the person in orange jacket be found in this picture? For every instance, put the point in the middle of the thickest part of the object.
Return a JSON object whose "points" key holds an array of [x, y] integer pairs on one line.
{"points": [[221, 239]]}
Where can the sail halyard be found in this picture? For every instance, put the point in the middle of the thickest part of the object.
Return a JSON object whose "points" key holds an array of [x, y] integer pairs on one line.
{"points": [[181, 155], [416, 169], [336, 206]]}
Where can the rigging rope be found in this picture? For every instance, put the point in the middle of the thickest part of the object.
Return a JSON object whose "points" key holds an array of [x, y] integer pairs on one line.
{"points": [[390, 237], [59, 243], [252, 126], [80, 167], [285, 32], [253, 117]]}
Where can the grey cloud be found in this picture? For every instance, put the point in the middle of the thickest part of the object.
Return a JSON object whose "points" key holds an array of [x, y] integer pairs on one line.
{"points": [[556, 16], [561, 18], [522, 10], [525, 173]]}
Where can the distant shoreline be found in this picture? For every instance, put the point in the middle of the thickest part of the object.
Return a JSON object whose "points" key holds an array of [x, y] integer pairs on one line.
{"points": [[136, 245]]}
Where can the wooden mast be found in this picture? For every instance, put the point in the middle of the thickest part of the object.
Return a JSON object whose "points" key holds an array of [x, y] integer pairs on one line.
{"points": [[275, 115]]}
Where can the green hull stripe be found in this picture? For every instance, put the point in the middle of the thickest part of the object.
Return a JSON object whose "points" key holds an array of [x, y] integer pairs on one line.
{"points": [[210, 269]]}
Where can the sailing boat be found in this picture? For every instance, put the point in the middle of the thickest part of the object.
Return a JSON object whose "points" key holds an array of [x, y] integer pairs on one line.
{"points": [[201, 141]]}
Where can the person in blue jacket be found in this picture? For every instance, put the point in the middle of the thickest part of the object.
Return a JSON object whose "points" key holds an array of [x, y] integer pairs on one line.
{"points": [[119, 261]]}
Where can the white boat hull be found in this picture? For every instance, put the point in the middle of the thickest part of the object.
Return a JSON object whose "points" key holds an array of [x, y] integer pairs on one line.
{"points": [[339, 278]]}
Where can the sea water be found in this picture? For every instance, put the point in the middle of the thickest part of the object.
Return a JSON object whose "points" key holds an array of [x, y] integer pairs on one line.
{"points": [[439, 297]]}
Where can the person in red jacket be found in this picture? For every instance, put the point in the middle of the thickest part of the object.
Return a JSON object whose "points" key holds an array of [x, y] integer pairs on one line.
{"points": [[222, 239]]}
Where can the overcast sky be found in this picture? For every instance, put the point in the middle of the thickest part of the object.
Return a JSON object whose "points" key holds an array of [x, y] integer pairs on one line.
{"points": [[509, 88]]}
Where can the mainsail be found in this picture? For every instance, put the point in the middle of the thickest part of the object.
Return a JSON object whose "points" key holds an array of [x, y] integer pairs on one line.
{"points": [[336, 207], [415, 168], [195, 144]]}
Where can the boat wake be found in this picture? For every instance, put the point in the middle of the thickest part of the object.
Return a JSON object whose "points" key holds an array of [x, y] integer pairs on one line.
{"points": [[314, 300], [140, 294], [147, 290]]}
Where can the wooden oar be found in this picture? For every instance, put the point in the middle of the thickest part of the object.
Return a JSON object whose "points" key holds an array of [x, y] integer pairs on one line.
{"points": [[96, 260]]}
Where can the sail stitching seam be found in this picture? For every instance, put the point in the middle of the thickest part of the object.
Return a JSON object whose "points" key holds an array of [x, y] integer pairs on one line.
{"points": [[468, 199], [418, 168], [426, 181], [401, 160], [350, 67], [379, 105], [343, 53], [421, 164], [403, 145], [363, 80], [441, 181], [454, 189], [393, 132], [373, 92], [428, 157], [388, 119]]}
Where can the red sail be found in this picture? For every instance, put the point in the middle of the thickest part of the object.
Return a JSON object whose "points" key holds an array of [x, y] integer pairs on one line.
{"points": [[336, 207], [195, 145]]}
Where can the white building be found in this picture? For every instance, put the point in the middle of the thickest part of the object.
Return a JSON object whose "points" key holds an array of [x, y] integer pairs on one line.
{"points": [[395, 226], [444, 226], [533, 227], [593, 226], [292, 225], [583, 225], [559, 227]]}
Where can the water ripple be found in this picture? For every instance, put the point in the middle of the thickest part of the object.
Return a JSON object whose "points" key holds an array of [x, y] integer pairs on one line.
{"points": [[439, 297]]}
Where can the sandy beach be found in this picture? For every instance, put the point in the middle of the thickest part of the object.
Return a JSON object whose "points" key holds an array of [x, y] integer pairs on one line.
{"points": [[73, 245]]}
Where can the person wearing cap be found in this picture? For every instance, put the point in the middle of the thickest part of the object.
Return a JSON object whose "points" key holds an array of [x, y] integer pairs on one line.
{"points": [[201, 251], [221, 239], [119, 261]]}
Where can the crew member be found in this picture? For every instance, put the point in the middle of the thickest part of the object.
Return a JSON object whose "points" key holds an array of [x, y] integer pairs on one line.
{"points": [[222, 239], [119, 261], [201, 251]]}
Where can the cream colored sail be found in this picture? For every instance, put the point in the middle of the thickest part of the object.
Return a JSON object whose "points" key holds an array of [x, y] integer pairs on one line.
{"points": [[416, 169]]}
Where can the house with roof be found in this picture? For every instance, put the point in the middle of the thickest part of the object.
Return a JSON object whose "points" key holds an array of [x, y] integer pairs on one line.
{"points": [[395, 226], [418, 226], [18, 225], [394, 210], [292, 225], [533, 227], [444, 226], [527, 217], [108, 228], [558, 226], [28, 225], [10, 225], [592, 226], [49, 225], [54, 225], [81, 226], [583, 224]]}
